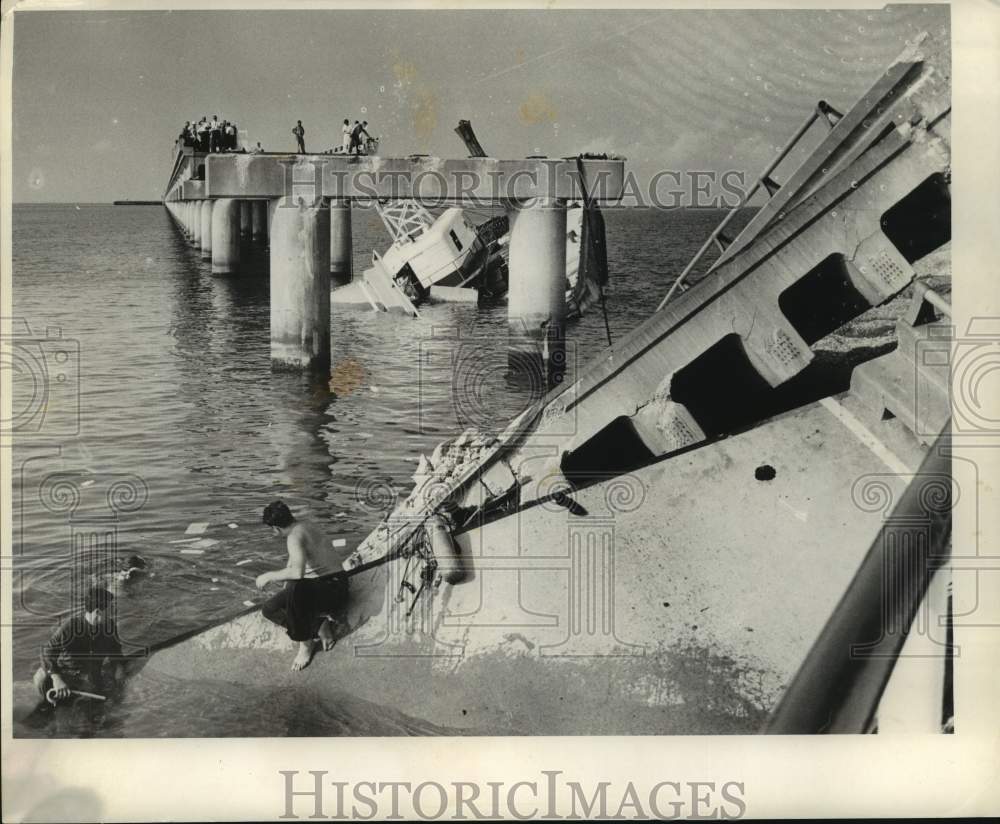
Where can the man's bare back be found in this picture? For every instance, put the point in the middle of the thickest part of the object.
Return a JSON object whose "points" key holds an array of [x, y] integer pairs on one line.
{"points": [[307, 537], [311, 563]]}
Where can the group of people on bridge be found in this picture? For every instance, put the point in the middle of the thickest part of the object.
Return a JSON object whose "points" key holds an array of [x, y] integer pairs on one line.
{"points": [[223, 136], [350, 142], [211, 135]]}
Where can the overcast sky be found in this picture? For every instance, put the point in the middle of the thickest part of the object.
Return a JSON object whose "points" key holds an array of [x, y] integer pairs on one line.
{"points": [[100, 96]]}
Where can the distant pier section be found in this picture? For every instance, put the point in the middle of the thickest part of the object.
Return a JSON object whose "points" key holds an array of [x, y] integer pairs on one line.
{"points": [[300, 205]]}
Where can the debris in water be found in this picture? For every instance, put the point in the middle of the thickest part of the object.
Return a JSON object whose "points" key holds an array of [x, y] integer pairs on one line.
{"points": [[204, 543], [249, 604], [244, 561], [192, 552], [196, 529], [232, 526], [340, 542]]}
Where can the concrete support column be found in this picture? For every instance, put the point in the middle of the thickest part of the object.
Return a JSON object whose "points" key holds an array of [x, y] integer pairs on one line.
{"points": [[536, 292], [258, 220], [226, 236], [300, 284], [245, 218], [341, 243], [193, 217], [196, 223], [206, 230]]}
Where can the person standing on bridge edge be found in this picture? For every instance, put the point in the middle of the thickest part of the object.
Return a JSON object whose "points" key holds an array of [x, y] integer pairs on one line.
{"points": [[356, 132], [315, 585], [300, 134], [203, 130], [345, 139], [216, 131]]}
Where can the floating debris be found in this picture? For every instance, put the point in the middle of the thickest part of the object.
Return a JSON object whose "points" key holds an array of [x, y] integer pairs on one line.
{"points": [[204, 543], [339, 542], [249, 604], [196, 529], [232, 526], [244, 561], [192, 552]]}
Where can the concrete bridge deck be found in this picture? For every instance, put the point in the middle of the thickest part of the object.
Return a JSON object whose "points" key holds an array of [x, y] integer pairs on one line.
{"points": [[439, 181]]}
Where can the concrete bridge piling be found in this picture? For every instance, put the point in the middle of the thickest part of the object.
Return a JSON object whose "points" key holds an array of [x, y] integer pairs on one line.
{"points": [[226, 236], [341, 249], [258, 220], [536, 295], [224, 197], [206, 229], [196, 222], [245, 211], [300, 284]]}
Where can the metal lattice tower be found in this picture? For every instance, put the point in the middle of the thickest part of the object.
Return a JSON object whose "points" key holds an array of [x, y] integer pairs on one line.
{"points": [[404, 219]]}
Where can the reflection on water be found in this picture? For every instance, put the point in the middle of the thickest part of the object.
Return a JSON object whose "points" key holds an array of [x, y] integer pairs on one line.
{"points": [[157, 705], [176, 390]]}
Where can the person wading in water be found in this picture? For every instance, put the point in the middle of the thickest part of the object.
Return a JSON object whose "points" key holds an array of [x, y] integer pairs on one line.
{"points": [[314, 584]]}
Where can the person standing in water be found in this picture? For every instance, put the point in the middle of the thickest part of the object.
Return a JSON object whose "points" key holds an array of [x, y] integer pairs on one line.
{"points": [[314, 584], [74, 657]]}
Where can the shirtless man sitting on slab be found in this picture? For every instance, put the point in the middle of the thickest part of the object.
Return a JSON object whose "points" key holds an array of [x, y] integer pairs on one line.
{"points": [[314, 584]]}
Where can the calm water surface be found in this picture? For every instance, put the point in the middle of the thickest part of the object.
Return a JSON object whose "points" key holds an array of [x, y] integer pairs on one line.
{"points": [[169, 406]]}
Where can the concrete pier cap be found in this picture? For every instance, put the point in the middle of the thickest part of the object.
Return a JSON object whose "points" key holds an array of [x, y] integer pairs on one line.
{"points": [[433, 180], [300, 284]]}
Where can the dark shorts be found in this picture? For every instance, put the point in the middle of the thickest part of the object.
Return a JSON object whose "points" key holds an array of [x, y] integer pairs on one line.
{"points": [[303, 605]]}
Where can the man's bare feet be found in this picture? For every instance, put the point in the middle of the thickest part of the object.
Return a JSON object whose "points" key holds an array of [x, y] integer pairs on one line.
{"points": [[326, 635], [304, 656]]}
